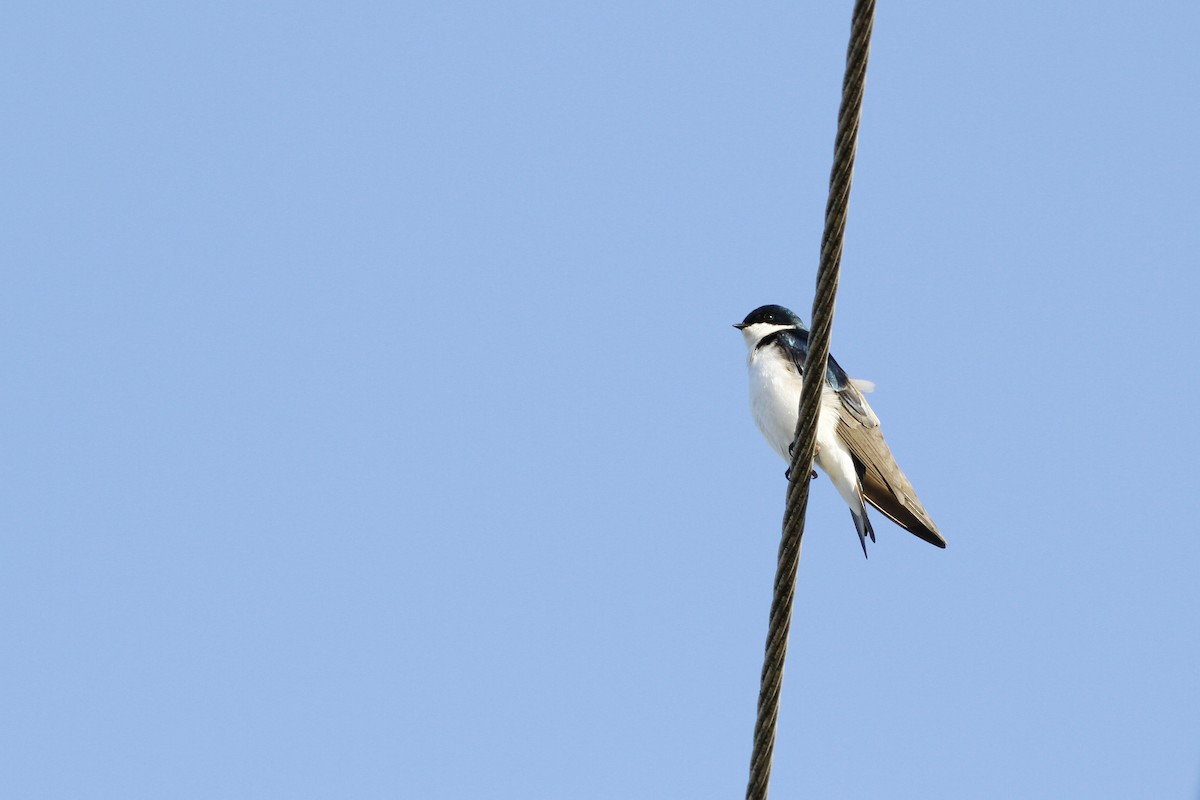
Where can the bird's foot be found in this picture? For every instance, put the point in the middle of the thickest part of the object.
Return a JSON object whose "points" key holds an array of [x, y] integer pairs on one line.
{"points": [[787, 474]]}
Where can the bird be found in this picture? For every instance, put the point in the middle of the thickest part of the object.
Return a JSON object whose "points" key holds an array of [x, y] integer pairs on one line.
{"points": [[850, 448]]}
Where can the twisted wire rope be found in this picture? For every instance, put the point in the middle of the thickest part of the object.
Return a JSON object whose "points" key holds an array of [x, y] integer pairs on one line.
{"points": [[803, 450]]}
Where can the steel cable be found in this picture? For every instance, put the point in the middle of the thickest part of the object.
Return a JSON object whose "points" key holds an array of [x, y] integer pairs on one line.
{"points": [[803, 450]]}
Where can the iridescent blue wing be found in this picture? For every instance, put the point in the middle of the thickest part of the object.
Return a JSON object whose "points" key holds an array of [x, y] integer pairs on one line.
{"points": [[795, 343]]}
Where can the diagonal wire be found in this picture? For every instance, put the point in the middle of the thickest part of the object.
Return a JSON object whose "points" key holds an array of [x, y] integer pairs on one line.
{"points": [[806, 428]]}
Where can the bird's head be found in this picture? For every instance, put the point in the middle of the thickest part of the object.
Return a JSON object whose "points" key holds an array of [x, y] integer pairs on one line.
{"points": [[765, 320]]}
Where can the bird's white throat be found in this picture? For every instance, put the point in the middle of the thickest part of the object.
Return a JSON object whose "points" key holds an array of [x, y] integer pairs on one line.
{"points": [[753, 334]]}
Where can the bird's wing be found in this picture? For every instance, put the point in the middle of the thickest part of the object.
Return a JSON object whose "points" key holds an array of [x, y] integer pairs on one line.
{"points": [[883, 484], [849, 391]]}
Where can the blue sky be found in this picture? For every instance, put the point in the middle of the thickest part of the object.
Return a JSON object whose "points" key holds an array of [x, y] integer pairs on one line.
{"points": [[373, 425]]}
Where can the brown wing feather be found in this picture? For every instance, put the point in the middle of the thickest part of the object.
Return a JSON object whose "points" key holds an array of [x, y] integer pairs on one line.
{"points": [[883, 484]]}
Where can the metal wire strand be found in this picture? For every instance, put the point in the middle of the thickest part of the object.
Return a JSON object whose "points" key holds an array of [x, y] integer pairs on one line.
{"points": [[804, 448]]}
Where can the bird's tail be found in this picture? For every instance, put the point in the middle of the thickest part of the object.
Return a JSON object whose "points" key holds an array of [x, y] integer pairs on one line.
{"points": [[863, 525]]}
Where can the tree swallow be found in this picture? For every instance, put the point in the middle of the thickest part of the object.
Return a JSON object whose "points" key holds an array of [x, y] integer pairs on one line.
{"points": [[850, 445]]}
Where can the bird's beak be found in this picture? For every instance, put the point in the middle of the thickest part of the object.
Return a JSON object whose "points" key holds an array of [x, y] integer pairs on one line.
{"points": [[739, 325]]}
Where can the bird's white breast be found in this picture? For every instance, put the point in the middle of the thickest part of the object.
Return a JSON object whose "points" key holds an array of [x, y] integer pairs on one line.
{"points": [[775, 386]]}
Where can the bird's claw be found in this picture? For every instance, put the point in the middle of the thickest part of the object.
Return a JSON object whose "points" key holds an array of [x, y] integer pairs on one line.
{"points": [[787, 474], [792, 453]]}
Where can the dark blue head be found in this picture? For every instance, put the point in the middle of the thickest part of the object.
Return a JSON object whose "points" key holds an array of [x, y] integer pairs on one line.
{"points": [[770, 315]]}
